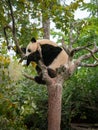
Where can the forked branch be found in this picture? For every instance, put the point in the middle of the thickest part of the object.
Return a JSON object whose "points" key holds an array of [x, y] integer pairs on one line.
{"points": [[87, 56], [75, 50], [92, 54]]}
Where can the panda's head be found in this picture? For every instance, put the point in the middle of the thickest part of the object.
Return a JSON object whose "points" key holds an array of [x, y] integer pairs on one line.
{"points": [[32, 47], [35, 46], [32, 51]]}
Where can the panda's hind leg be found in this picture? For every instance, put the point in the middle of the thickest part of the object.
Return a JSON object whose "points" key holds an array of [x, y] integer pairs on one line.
{"points": [[39, 80], [52, 73]]}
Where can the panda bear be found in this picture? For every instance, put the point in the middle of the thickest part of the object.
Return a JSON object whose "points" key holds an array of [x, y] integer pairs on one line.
{"points": [[51, 54]]}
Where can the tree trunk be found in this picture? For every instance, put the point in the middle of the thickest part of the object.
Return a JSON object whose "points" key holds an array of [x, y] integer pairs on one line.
{"points": [[54, 106], [46, 28], [54, 89]]}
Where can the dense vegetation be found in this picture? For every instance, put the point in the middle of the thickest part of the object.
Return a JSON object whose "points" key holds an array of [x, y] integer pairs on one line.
{"points": [[23, 103]]}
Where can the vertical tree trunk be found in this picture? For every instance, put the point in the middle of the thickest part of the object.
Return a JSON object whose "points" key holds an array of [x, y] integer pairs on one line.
{"points": [[46, 28], [54, 89], [54, 106]]}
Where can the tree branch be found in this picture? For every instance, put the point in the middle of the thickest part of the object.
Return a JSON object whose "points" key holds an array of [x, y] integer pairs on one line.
{"points": [[29, 77], [88, 65], [13, 29], [92, 54], [76, 38], [78, 49], [72, 40], [65, 47], [46, 77], [86, 56], [12, 15], [70, 37], [6, 37]]}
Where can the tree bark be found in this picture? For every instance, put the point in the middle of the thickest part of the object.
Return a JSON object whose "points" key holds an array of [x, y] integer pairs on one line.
{"points": [[54, 88], [54, 106], [46, 28]]}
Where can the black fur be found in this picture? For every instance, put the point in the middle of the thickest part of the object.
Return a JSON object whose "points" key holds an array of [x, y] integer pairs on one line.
{"points": [[39, 80], [24, 50], [49, 53], [38, 69], [33, 57], [52, 73], [33, 40]]}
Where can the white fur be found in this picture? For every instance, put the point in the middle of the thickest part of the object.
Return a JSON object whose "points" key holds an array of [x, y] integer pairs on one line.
{"points": [[35, 46], [61, 59]]}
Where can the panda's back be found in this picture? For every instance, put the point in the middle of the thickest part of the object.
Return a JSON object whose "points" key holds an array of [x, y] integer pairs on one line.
{"points": [[46, 41], [53, 56], [60, 60]]}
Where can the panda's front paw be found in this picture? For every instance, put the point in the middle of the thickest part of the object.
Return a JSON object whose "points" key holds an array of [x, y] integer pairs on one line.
{"points": [[39, 80], [52, 73], [61, 69]]}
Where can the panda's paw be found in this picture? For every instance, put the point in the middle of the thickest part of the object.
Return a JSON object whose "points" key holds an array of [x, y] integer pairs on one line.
{"points": [[61, 69], [52, 73], [39, 80]]}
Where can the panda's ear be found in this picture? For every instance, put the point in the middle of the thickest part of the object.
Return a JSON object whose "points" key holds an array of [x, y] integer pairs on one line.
{"points": [[33, 40]]}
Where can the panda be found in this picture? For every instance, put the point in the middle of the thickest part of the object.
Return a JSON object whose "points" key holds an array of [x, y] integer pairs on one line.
{"points": [[51, 54]]}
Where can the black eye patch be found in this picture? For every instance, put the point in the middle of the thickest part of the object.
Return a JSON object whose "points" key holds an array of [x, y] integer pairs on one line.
{"points": [[29, 50]]}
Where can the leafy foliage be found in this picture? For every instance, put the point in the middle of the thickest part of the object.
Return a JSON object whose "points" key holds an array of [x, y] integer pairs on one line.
{"points": [[80, 96], [23, 103]]}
